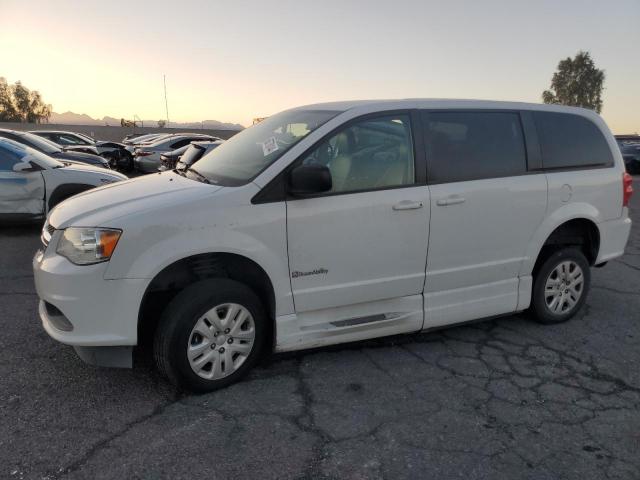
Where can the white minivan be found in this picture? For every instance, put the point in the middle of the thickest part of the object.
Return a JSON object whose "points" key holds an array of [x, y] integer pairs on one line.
{"points": [[334, 223]]}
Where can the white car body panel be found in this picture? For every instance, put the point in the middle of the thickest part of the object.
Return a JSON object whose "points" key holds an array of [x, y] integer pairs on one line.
{"points": [[408, 270], [22, 193], [476, 273], [372, 251], [329, 326], [227, 229], [29, 193], [69, 286]]}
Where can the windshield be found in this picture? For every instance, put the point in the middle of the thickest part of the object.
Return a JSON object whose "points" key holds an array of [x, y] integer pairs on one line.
{"points": [[42, 144], [246, 154], [28, 154]]}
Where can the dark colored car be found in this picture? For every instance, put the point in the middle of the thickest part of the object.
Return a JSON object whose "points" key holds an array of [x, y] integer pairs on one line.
{"points": [[630, 149], [184, 157], [48, 147], [116, 153]]}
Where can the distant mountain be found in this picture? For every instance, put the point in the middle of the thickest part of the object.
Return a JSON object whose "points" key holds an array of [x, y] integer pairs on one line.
{"points": [[70, 118]]}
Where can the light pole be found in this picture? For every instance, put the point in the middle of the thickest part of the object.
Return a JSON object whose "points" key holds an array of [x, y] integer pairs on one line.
{"points": [[166, 103]]}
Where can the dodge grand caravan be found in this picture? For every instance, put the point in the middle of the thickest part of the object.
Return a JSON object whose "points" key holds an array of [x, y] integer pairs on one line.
{"points": [[334, 223]]}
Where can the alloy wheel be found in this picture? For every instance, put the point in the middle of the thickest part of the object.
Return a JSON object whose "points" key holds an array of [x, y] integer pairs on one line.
{"points": [[221, 341], [564, 287]]}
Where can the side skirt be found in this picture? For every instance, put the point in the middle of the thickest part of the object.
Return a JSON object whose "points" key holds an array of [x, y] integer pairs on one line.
{"points": [[352, 323]]}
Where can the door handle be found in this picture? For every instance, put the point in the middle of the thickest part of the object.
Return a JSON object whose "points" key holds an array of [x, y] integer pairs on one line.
{"points": [[452, 200], [407, 205]]}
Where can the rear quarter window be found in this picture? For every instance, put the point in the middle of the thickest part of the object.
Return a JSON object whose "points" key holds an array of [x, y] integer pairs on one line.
{"points": [[571, 141]]}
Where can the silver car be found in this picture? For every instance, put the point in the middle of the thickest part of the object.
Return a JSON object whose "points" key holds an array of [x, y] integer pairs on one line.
{"points": [[147, 157]]}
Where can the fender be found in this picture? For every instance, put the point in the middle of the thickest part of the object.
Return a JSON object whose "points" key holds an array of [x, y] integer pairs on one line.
{"points": [[571, 211], [264, 243]]}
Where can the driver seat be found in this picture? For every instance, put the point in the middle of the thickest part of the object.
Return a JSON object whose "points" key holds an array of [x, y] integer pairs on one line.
{"points": [[340, 166]]}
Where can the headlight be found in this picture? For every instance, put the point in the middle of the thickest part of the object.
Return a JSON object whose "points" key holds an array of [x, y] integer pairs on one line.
{"points": [[84, 246]]}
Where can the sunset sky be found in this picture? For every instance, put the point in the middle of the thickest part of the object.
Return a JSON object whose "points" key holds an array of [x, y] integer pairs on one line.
{"points": [[235, 60]]}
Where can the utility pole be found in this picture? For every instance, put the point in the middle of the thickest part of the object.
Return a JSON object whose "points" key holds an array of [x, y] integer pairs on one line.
{"points": [[166, 104]]}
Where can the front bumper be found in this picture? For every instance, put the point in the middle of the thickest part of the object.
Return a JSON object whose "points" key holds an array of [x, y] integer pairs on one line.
{"points": [[101, 312]]}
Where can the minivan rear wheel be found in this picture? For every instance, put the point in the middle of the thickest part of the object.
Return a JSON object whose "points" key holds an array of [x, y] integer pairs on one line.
{"points": [[210, 335], [560, 286]]}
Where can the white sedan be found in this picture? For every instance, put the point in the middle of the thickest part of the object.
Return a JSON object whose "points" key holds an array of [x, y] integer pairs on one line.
{"points": [[32, 183]]}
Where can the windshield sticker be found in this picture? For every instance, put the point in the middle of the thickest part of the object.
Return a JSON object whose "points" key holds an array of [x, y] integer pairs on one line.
{"points": [[269, 146]]}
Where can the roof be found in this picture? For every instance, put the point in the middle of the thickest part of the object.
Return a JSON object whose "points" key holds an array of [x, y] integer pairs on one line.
{"points": [[440, 103], [52, 131]]}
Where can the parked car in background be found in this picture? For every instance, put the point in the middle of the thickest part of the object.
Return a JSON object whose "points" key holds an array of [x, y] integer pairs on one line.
{"points": [[131, 145], [630, 149], [168, 160], [116, 153], [49, 148], [184, 157], [336, 223], [131, 136], [147, 157], [32, 183]]}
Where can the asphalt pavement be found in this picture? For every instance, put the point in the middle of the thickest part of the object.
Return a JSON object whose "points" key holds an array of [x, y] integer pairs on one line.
{"points": [[499, 399]]}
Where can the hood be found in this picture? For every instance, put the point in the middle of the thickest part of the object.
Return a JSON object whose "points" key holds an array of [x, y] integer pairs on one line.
{"points": [[106, 206], [81, 157]]}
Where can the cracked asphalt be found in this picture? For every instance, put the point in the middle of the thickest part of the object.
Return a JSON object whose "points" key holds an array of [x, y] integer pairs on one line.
{"points": [[503, 398]]}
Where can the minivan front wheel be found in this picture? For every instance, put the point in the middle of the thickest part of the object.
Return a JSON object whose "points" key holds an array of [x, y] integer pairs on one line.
{"points": [[210, 335], [560, 287]]}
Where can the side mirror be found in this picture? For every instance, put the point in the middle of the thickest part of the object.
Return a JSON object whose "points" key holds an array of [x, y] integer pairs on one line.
{"points": [[309, 179], [23, 167]]}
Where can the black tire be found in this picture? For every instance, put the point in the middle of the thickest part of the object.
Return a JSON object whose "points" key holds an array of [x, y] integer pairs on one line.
{"points": [[540, 310], [179, 318]]}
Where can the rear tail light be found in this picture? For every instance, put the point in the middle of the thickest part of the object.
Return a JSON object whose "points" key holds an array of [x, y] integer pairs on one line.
{"points": [[141, 153], [627, 188]]}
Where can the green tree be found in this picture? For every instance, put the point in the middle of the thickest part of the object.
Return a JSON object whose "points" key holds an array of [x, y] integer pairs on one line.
{"points": [[8, 110], [21, 99], [577, 83], [38, 110], [19, 104]]}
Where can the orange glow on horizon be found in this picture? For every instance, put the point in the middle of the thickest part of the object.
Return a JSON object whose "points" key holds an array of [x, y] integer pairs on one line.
{"points": [[109, 59]]}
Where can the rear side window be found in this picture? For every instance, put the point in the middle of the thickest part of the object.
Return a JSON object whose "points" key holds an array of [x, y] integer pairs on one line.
{"points": [[180, 143], [570, 141], [9, 156], [465, 146]]}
